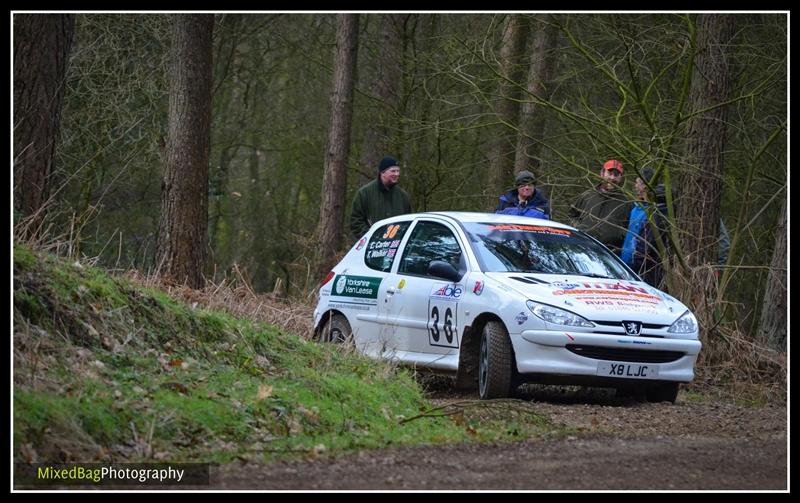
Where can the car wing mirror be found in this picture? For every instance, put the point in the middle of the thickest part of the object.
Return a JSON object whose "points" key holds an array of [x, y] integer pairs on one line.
{"points": [[444, 270]]}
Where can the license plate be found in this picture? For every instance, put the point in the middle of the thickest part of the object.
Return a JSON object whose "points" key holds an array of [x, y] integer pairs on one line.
{"points": [[627, 370]]}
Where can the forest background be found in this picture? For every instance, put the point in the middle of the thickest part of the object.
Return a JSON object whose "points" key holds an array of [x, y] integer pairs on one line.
{"points": [[301, 107]]}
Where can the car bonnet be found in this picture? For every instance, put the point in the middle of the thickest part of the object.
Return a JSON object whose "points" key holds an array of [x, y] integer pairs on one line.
{"points": [[596, 299]]}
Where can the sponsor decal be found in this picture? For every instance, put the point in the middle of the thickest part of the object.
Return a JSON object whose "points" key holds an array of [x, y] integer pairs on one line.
{"points": [[634, 341], [598, 302], [361, 243], [351, 305], [521, 318], [531, 228], [478, 288], [401, 284], [613, 287], [618, 306], [564, 285], [632, 327], [452, 291], [596, 293], [360, 287]]}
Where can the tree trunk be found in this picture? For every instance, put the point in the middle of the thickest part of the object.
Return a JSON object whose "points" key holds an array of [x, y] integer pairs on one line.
{"points": [[182, 240], [334, 184], [701, 185], [541, 71], [385, 93], [42, 45], [772, 328], [501, 161]]}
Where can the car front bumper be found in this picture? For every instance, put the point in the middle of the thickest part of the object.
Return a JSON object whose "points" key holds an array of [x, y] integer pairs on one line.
{"points": [[545, 352]]}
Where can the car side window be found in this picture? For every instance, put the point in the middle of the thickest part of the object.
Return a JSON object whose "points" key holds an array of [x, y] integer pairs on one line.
{"points": [[429, 241], [383, 245]]}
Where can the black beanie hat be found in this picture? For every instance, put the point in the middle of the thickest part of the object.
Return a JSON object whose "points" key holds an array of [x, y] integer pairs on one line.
{"points": [[524, 178], [647, 174], [386, 163]]}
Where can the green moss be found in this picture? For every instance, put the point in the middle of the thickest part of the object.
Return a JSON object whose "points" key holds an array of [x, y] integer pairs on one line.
{"points": [[105, 289], [24, 259], [89, 418], [28, 305]]}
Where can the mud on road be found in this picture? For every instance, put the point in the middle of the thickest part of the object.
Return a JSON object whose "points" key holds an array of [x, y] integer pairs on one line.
{"points": [[613, 444]]}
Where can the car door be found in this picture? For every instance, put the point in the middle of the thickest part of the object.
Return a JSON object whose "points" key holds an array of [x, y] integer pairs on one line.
{"points": [[373, 282], [423, 308]]}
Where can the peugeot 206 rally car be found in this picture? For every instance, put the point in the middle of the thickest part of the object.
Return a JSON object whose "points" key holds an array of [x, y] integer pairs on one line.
{"points": [[499, 300]]}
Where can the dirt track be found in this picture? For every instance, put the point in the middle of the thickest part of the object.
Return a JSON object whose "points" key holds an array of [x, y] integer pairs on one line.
{"points": [[619, 444]]}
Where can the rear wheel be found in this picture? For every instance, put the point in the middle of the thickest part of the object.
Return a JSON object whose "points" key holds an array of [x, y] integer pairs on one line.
{"points": [[336, 330], [495, 363], [664, 392]]}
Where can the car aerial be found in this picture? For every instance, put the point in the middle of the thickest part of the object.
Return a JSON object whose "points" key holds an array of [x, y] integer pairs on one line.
{"points": [[499, 300]]}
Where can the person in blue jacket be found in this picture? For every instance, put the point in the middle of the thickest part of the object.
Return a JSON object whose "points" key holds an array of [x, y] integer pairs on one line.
{"points": [[525, 200], [640, 250]]}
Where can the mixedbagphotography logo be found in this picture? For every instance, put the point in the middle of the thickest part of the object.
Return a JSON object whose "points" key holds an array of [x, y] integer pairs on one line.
{"points": [[102, 474]]}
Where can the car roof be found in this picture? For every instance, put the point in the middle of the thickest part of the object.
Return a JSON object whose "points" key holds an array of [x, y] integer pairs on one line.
{"points": [[474, 216]]}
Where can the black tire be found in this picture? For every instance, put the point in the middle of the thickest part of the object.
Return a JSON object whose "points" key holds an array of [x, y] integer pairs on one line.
{"points": [[495, 362], [664, 392], [336, 330]]}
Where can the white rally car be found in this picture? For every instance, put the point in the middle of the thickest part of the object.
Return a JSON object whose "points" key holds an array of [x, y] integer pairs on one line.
{"points": [[502, 300]]}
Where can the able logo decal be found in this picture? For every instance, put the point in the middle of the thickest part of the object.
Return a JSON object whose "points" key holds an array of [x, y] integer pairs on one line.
{"points": [[447, 292]]}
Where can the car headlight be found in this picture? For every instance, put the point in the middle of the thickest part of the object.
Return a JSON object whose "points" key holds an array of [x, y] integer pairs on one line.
{"points": [[558, 316], [686, 324]]}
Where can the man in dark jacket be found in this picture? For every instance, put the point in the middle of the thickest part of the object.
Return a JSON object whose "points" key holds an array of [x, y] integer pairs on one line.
{"points": [[526, 200], [603, 211], [379, 199]]}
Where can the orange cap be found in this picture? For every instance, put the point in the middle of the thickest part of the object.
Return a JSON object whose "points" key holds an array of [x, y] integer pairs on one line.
{"points": [[613, 164]]}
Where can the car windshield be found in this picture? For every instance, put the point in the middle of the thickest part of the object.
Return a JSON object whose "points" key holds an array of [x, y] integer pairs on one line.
{"points": [[542, 249]]}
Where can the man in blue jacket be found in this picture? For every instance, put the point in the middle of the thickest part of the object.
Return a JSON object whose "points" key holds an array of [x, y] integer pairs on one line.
{"points": [[640, 248], [525, 199]]}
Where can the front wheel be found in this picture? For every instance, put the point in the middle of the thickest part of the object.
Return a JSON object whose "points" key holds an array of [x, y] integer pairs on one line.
{"points": [[495, 363], [336, 330]]}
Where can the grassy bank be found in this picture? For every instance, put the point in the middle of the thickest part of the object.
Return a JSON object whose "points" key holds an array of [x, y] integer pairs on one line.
{"points": [[107, 370]]}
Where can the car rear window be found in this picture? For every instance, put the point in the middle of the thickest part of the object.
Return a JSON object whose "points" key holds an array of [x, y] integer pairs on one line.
{"points": [[383, 245]]}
